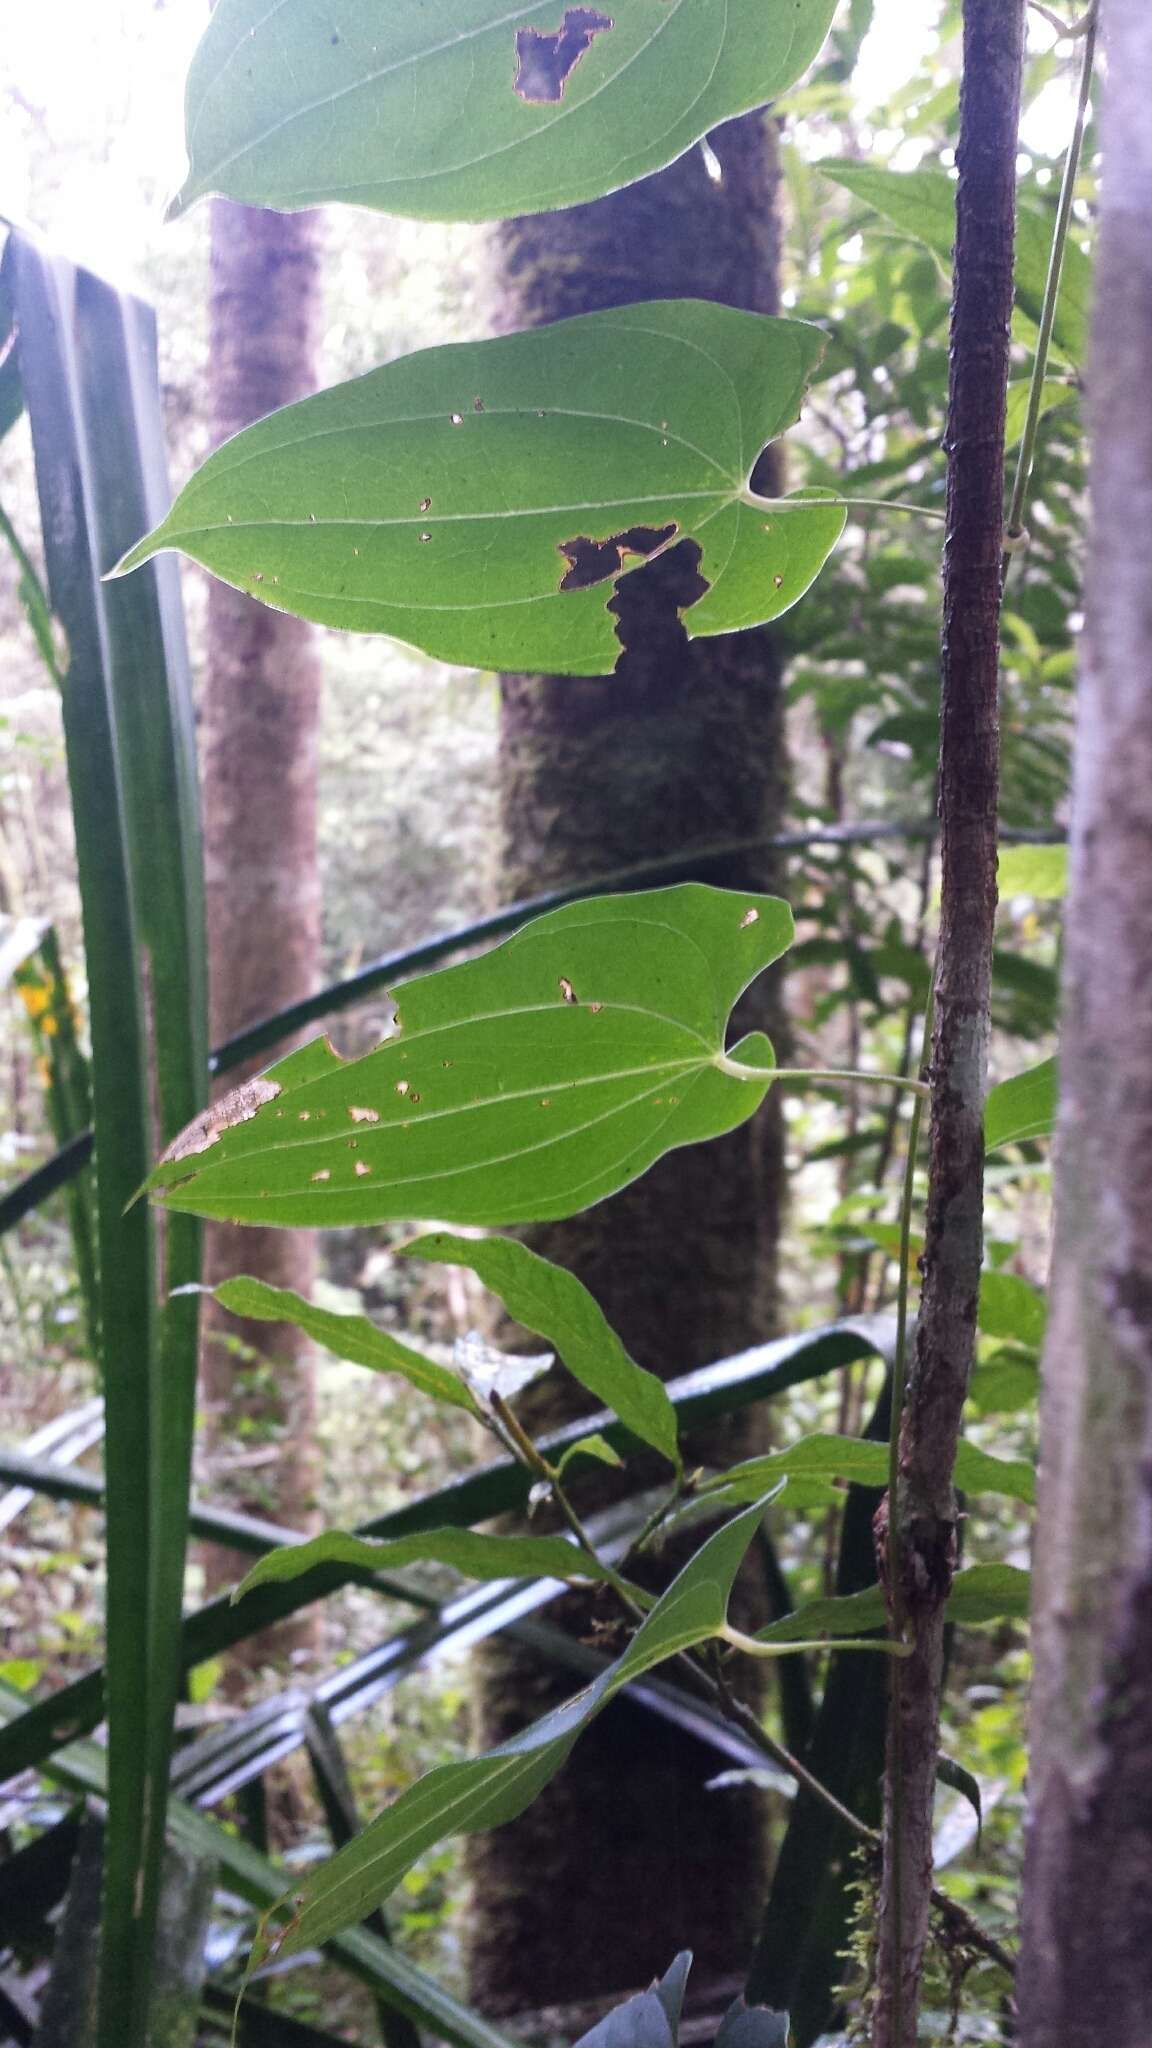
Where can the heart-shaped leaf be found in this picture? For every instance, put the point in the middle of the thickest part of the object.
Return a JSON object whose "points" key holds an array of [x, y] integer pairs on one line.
{"points": [[484, 1791], [526, 1084], [466, 1550], [481, 501], [474, 109], [554, 1304]]}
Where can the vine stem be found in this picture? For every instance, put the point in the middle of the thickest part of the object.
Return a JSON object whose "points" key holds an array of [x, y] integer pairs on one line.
{"points": [[850, 1075], [833, 498], [1088, 26], [922, 1509], [895, 1557]]}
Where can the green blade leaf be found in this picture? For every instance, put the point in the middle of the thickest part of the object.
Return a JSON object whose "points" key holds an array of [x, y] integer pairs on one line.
{"points": [[982, 1592], [866, 1463], [473, 109], [558, 1307], [1022, 1108], [921, 204], [467, 1550], [1012, 1309], [596, 1447], [524, 1085], [479, 501], [352, 1337], [484, 1791], [1040, 871]]}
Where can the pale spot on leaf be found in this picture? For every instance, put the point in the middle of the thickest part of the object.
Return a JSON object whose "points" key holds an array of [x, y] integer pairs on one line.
{"points": [[363, 1116], [237, 1107]]}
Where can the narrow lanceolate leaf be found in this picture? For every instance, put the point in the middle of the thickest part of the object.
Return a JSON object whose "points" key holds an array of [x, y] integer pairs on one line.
{"points": [[474, 109], [523, 1085], [922, 205], [484, 1791], [481, 501], [557, 1306], [982, 1592], [352, 1337], [466, 1550], [1022, 1108], [866, 1463]]}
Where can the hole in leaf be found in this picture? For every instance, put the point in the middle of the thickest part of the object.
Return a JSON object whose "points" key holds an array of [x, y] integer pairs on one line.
{"points": [[647, 607], [545, 63], [593, 561]]}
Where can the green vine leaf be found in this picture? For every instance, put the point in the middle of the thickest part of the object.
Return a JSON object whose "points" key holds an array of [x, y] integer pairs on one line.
{"points": [[473, 109], [484, 501], [485, 1791], [466, 1550], [980, 1593], [524, 1085], [352, 1337], [555, 1305], [1021, 1108], [921, 205], [866, 1464]]}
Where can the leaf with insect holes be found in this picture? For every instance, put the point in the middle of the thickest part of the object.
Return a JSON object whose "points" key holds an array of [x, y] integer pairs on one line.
{"points": [[485, 501], [467, 1550], [485, 1791], [554, 1304], [1021, 1108], [474, 109], [523, 1085], [352, 1337]]}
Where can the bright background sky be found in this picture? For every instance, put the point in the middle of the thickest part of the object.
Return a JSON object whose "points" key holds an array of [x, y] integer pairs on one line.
{"points": [[104, 79]]}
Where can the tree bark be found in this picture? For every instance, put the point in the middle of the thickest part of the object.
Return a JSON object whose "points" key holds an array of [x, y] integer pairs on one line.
{"points": [[1086, 1965], [627, 1858], [259, 723], [923, 1519]]}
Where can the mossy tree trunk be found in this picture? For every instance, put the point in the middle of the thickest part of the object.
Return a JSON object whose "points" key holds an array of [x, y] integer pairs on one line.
{"points": [[628, 1857], [260, 713]]}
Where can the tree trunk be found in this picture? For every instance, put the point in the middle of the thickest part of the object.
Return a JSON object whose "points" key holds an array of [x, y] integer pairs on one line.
{"points": [[628, 1858], [260, 716], [1086, 1967]]}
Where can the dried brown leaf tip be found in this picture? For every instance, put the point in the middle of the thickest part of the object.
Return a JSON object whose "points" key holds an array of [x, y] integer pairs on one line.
{"points": [[237, 1107]]}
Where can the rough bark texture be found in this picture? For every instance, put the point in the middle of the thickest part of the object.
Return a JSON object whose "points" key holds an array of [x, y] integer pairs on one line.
{"points": [[628, 1858], [259, 724], [969, 761], [1086, 1967]]}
